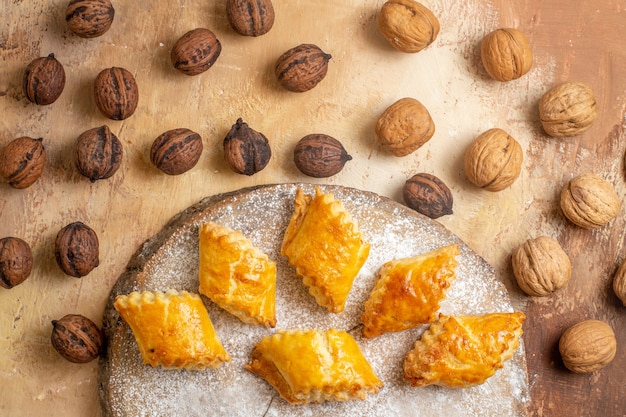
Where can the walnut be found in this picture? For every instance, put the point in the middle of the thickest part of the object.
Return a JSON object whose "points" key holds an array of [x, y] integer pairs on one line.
{"points": [[16, 261], [320, 156], [404, 127], [494, 160], [76, 249], [116, 93], [301, 68], [196, 51], [541, 266], [176, 151], [245, 150], [250, 17], [76, 338], [43, 80], [567, 109], [589, 201], [89, 18], [408, 25], [22, 161], [506, 54], [428, 195], [98, 153], [587, 346], [619, 283]]}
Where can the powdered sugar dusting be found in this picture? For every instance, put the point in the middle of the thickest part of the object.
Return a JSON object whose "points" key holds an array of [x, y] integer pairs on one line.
{"points": [[262, 215]]}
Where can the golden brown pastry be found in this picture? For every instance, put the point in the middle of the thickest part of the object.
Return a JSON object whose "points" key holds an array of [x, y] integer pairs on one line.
{"points": [[459, 352], [307, 366], [172, 329], [408, 291], [326, 248], [236, 275]]}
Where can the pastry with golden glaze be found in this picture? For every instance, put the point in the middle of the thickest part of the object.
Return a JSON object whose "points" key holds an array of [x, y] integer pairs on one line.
{"points": [[408, 291], [307, 366], [463, 351], [172, 329], [325, 246], [236, 275]]}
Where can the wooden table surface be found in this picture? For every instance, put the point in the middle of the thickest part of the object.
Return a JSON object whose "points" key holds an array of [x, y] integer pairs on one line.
{"points": [[582, 41]]}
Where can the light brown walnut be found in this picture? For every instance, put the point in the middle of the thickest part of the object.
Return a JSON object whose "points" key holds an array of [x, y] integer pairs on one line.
{"points": [[408, 25], [567, 109], [404, 127], [506, 54], [619, 283], [541, 266], [588, 346], [589, 201]]}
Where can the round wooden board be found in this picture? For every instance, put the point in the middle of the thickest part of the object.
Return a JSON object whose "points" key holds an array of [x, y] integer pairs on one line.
{"points": [[169, 260]]}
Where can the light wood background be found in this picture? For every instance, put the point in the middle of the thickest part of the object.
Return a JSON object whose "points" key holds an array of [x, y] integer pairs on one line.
{"points": [[571, 41]]}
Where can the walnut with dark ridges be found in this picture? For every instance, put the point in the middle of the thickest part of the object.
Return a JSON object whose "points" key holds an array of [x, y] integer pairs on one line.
{"points": [[301, 68], [89, 18], [76, 338], [196, 51], [250, 17], [16, 261], [77, 249], [320, 156], [98, 153], [116, 93], [246, 151], [44, 80], [176, 151], [22, 161], [428, 195]]}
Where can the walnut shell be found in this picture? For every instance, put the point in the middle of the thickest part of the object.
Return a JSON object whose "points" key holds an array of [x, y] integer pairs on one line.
{"points": [[16, 261], [250, 17], [196, 51], [76, 249], [541, 266], [98, 153], [176, 151], [407, 25], [89, 18], [404, 127], [506, 54], [619, 283], [494, 160], [567, 109], [588, 346], [301, 68], [76, 338], [320, 156], [22, 161], [43, 80], [245, 150], [116, 93], [428, 195], [589, 201]]}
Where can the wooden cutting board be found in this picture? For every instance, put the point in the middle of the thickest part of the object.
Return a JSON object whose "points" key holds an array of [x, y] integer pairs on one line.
{"points": [[170, 261], [582, 41]]}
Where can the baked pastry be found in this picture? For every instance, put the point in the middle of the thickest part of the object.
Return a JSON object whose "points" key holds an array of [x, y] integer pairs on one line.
{"points": [[325, 246], [408, 291], [460, 352], [236, 275], [307, 366], [172, 329]]}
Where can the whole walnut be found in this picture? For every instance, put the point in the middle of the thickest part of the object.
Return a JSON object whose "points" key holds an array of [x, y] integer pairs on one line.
{"points": [[320, 156], [116, 93], [245, 150], [407, 25], [589, 201], [541, 266], [428, 195], [567, 109], [619, 283], [176, 151], [196, 51], [506, 54], [22, 161], [302, 67], [588, 346], [76, 338], [250, 17], [98, 153], [76, 249], [494, 160], [404, 127], [44, 80], [16, 261], [89, 18]]}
